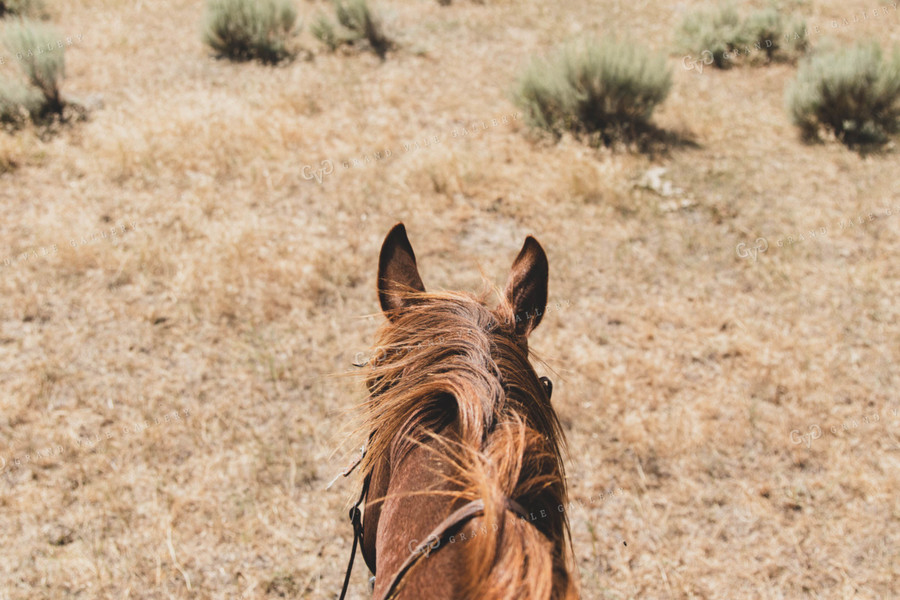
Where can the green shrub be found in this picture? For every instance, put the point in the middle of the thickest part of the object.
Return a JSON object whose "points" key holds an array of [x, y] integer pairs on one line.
{"points": [[357, 22], [590, 87], [764, 36], [765, 28], [43, 63], [251, 29], [769, 32], [717, 30], [324, 31], [853, 93], [796, 39], [18, 102], [21, 8]]}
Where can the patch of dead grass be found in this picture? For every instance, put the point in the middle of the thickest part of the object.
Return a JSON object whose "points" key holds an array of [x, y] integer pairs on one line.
{"points": [[245, 291]]}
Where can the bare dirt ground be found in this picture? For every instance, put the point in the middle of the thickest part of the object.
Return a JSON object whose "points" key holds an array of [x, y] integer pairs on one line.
{"points": [[174, 398]]}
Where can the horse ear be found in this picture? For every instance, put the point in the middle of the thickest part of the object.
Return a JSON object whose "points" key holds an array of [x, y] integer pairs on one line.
{"points": [[526, 288], [397, 271]]}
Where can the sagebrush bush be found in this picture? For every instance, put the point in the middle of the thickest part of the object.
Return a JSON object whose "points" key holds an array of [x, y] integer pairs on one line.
{"points": [[251, 29], [357, 22], [718, 30], [769, 32], [589, 87], [324, 31], [43, 63], [21, 8], [18, 101], [764, 36], [852, 92]]}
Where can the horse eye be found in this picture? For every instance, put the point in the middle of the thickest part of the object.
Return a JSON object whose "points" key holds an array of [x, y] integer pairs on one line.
{"points": [[548, 385]]}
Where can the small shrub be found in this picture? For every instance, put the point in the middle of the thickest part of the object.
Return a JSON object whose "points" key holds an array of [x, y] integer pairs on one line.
{"points": [[607, 88], [765, 28], [21, 8], [796, 39], [18, 102], [44, 65], [853, 93], [769, 32], [717, 30], [764, 36], [251, 29], [357, 22], [324, 31]]}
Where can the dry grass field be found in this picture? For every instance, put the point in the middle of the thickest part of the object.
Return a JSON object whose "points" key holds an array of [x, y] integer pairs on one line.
{"points": [[175, 397]]}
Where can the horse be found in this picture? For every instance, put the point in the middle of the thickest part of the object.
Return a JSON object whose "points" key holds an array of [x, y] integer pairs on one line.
{"points": [[464, 448]]}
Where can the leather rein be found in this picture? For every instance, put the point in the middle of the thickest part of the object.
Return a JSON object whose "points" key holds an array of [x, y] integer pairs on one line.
{"points": [[432, 542]]}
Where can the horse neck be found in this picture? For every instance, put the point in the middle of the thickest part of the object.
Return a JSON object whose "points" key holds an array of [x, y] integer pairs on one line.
{"points": [[417, 496], [419, 492]]}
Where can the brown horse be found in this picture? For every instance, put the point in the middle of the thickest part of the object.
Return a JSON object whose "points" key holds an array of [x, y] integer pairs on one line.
{"points": [[464, 484]]}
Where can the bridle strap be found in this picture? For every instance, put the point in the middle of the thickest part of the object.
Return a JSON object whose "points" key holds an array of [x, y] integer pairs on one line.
{"points": [[447, 527], [356, 521], [362, 550], [355, 515]]}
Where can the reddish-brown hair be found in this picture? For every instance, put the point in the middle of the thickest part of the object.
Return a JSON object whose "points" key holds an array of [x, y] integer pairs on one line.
{"points": [[476, 400]]}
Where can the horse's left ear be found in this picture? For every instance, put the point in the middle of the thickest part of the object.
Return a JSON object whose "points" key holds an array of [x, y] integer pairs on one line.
{"points": [[526, 288], [397, 271]]}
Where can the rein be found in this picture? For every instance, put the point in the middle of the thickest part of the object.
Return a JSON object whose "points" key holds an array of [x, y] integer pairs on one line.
{"points": [[355, 518], [448, 526]]}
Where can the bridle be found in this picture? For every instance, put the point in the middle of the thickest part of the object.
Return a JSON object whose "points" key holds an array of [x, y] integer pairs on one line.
{"points": [[434, 540]]}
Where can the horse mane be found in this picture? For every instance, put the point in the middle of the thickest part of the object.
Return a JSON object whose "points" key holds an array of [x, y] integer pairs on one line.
{"points": [[450, 371]]}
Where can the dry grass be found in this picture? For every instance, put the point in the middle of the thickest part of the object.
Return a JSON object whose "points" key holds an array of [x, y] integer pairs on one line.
{"points": [[239, 292]]}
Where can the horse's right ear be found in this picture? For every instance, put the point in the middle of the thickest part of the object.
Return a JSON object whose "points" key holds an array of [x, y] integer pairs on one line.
{"points": [[397, 271], [526, 288]]}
